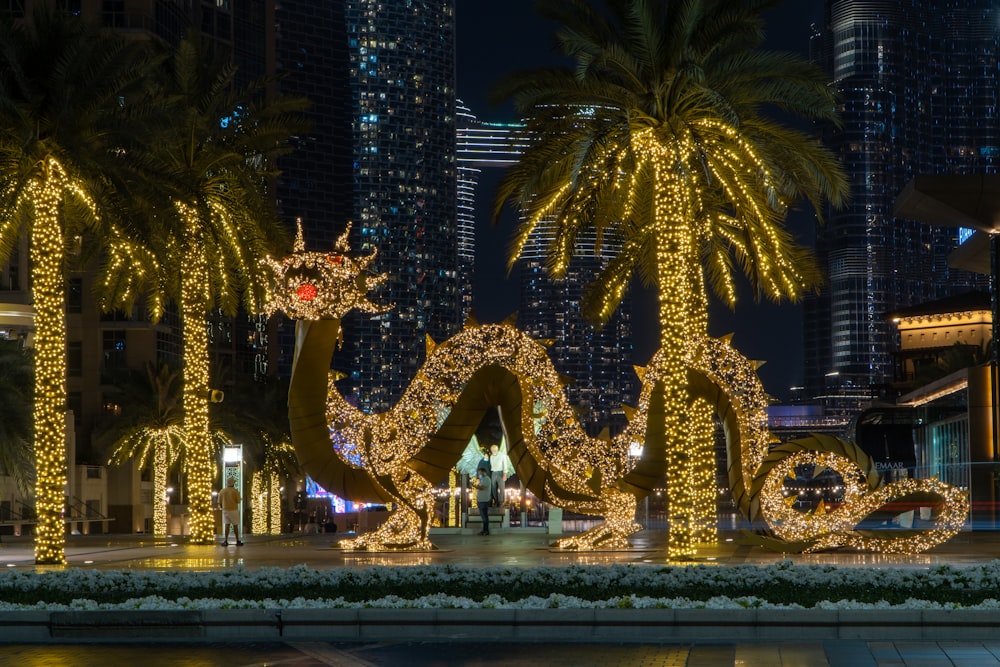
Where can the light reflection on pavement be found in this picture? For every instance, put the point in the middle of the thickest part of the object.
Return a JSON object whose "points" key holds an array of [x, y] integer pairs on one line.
{"points": [[511, 547]]}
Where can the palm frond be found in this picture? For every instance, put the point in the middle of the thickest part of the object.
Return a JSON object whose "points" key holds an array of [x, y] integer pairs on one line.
{"points": [[692, 75]]}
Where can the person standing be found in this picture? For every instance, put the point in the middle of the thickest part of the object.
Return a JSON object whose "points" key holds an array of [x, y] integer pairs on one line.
{"points": [[484, 463], [484, 495], [229, 500], [498, 474]]}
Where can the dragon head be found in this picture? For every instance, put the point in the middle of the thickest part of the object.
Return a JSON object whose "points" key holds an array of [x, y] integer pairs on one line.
{"points": [[320, 285]]}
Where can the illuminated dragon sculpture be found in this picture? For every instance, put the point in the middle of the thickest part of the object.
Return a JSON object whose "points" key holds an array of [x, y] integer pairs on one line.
{"points": [[399, 456]]}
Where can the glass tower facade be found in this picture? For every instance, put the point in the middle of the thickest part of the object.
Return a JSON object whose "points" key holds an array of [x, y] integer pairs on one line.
{"points": [[315, 184], [402, 74], [918, 86], [597, 360]]}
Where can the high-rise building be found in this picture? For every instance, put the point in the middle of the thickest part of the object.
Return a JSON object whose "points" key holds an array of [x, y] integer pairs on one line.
{"points": [[598, 360], [919, 94], [402, 77], [481, 145], [315, 186]]}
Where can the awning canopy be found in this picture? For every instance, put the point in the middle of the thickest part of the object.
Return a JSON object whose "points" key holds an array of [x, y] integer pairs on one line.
{"points": [[952, 200], [956, 200]]}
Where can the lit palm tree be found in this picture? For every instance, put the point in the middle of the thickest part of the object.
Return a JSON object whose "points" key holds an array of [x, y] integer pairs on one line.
{"points": [[257, 416], [204, 168], [61, 85], [149, 427], [659, 135]]}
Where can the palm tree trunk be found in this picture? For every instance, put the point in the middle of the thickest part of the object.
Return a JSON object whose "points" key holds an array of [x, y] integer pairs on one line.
{"points": [[702, 463], [49, 294], [258, 502], [160, 471], [274, 504], [676, 254], [199, 461], [674, 332]]}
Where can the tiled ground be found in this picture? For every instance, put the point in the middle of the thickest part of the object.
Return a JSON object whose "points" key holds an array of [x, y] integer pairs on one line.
{"points": [[788, 654]]}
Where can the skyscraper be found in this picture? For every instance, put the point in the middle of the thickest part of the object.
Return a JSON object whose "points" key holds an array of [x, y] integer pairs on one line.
{"points": [[481, 145], [597, 360], [315, 187], [919, 91], [402, 73]]}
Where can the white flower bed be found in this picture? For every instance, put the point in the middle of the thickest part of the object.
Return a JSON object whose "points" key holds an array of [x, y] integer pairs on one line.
{"points": [[133, 589]]}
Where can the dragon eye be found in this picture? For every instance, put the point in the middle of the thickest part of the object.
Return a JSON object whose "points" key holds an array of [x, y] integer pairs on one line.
{"points": [[306, 292]]}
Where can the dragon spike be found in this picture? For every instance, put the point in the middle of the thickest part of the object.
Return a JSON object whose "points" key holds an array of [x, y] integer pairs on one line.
{"points": [[365, 262], [727, 339], [300, 242], [640, 372], [566, 380], [605, 434], [341, 244], [471, 322], [430, 344], [546, 342], [629, 411], [757, 363], [511, 320]]}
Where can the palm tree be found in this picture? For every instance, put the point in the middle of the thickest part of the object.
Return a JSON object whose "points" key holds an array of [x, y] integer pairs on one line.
{"points": [[149, 427], [257, 416], [61, 85], [204, 168], [659, 135], [16, 401]]}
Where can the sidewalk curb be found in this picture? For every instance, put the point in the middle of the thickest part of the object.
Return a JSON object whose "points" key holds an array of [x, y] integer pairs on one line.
{"points": [[503, 625]]}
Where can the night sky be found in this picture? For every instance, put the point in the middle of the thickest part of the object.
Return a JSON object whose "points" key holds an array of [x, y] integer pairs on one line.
{"points": [[496, 38]]}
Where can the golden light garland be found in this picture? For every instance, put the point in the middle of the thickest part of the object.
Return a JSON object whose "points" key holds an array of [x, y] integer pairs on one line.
{"points": [[165, 444], [275, 527], [952, 506], [864, 494], [266, 488], [46, 195], [674, 211], [583, 474], [310, 285], [160, 496], [702, 476], [454, 507], [259, 503], [199, 461]]}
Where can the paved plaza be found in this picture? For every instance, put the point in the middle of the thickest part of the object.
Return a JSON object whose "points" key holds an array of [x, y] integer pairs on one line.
{"points": [[509, 547]]}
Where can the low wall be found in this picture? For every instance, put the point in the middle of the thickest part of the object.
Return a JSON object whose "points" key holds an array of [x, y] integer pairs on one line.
{"points": [[503, 625]]}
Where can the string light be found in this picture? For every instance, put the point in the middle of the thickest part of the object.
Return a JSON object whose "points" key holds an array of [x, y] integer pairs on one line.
{"points": [[864, 492], [258, 504], [199, 461], [266, 488], [165, 444], [46, 194], [311, 285], [581, 473]]}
